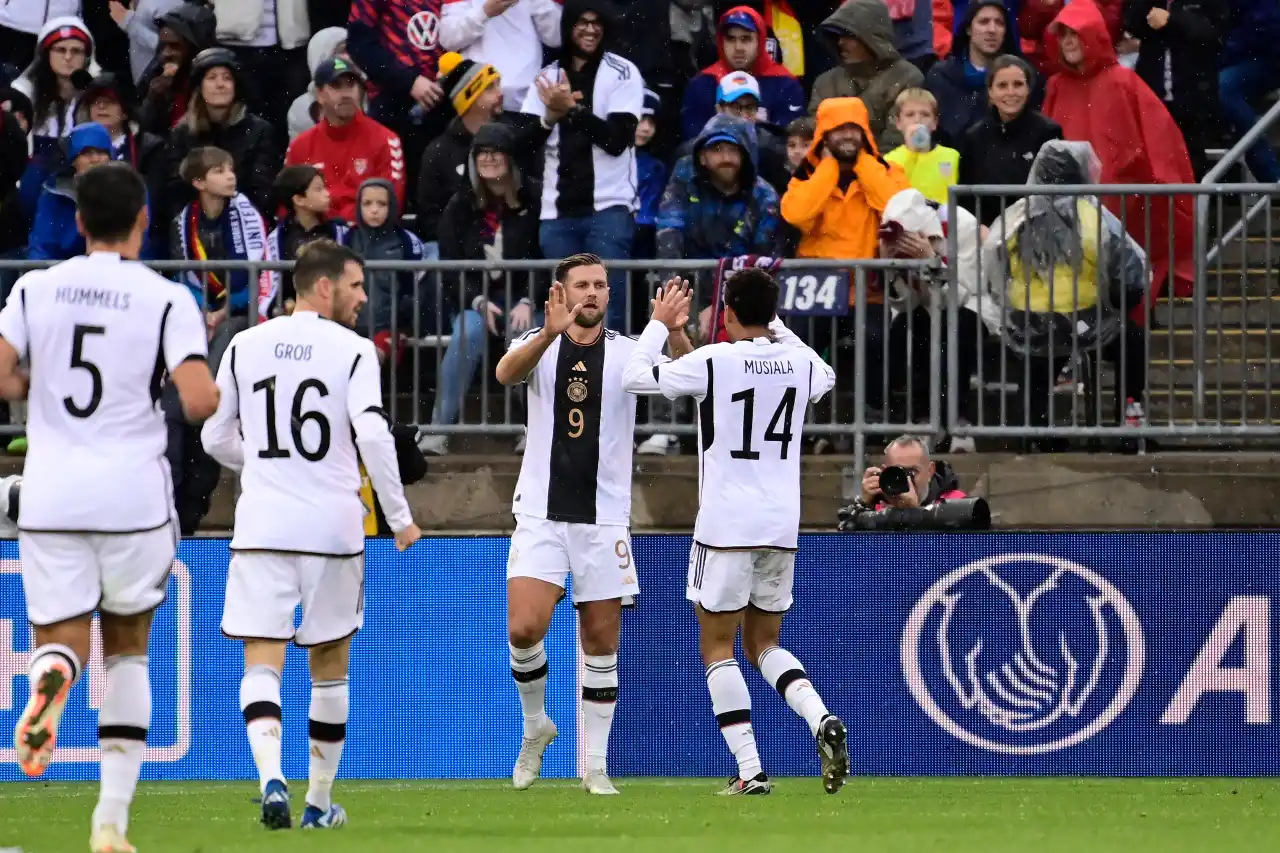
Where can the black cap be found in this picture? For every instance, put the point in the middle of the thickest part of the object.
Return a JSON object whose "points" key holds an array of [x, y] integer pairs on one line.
{"points": [[332, 70]]}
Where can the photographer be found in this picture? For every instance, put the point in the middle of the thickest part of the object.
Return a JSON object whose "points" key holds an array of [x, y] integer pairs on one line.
{"points": [[912, 493], [926, 482]]}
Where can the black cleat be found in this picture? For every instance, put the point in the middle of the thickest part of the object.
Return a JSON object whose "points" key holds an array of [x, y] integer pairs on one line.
{"points": [[833, 749]]}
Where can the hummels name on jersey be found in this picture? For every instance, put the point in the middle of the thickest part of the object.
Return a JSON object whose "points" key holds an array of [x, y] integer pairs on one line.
{"points": [[94, 297], [768, 368]]}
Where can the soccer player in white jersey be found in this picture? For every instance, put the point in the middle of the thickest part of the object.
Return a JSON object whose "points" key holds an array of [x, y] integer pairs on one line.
{"points": [[97, 526], [752, 395], [300, 395], [573, 503]]}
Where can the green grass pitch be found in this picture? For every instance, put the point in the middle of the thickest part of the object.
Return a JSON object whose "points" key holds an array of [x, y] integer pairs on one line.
{"points": [[969, 815]]}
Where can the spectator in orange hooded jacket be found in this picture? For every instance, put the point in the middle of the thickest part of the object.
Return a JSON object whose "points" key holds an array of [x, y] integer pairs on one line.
{"points": [[1097, 100]]}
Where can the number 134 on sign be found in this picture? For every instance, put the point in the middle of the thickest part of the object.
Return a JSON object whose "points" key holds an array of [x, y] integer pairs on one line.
{"points": [[814, 293]]}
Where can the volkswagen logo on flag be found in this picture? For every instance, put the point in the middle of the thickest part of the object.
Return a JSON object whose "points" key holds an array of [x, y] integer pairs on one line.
{"points": [[1023, 654], [424, 30]]}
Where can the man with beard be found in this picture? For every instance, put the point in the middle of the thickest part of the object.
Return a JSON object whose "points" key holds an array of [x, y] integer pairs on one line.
{"points": [[290, 548], [959, 82], [347, 146], [573, 502], [587, 106], [166, 84]]}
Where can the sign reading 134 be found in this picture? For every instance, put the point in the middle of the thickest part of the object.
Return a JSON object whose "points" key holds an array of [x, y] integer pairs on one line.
{"points": [[814, 293]]}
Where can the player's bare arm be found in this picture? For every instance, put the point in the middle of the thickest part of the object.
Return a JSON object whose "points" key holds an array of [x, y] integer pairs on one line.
{"points": [[14, 380], [517, 364], [677, 291], [196, 389]]}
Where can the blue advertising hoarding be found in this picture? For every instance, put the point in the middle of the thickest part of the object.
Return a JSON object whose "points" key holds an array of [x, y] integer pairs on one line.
{"points": [[997, 653]]}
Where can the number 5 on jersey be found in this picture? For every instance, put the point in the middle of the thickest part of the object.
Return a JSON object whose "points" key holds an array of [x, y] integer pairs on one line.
{"points": [[95, 375]]}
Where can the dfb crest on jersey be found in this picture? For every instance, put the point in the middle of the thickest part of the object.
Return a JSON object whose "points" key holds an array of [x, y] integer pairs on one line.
{"points": [[577, 390], [360, 165], [1023, 654]]}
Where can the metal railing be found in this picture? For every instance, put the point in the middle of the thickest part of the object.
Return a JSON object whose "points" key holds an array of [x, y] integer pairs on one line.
{"points": [[912, 344]]}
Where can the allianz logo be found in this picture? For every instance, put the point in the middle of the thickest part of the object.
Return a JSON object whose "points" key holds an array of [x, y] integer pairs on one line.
{"points": [[1026, 654]]}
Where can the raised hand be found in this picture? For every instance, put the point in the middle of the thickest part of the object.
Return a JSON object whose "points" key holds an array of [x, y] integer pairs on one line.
{"points": [[671, 305], [559, 316]]}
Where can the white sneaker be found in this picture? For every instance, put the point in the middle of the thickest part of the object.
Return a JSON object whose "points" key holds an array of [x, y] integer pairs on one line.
{"points": [[597, 782], [529, 761], [521, 442], [659, 445], [432, 444], [109, 839], [963, 443]]}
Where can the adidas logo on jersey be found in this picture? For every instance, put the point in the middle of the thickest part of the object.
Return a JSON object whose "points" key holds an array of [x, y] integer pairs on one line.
{"points": [[580, 367]]}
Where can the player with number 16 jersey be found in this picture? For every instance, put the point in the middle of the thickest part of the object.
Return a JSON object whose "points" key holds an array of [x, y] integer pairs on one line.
{"points": [[300, 395]]}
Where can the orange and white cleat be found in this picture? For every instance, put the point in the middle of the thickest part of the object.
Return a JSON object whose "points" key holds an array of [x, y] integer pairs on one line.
{"points": [[37, 731], [109, 839]]}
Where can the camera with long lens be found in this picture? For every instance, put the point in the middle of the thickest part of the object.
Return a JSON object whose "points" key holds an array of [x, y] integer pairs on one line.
{"points": [[962, 514], [894, 481]]}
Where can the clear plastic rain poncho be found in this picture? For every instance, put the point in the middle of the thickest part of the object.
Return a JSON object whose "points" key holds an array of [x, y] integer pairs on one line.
{"points": [[1062, 266]]}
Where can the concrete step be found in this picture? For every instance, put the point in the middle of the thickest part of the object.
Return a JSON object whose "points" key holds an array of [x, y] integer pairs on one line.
{"points": [[1238, 373], [1256, 250], [1233, 280], [1229, 344], [1227, 311]]}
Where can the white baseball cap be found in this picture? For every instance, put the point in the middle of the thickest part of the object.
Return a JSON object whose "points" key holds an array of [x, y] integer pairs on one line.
{"points": [[735, 85]]}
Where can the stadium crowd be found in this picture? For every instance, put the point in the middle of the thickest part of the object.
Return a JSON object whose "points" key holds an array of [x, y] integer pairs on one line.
{"points": [[633, 129]]}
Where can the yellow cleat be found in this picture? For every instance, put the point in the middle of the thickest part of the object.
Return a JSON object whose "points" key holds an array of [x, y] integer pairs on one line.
{"points": [[109, 839]]}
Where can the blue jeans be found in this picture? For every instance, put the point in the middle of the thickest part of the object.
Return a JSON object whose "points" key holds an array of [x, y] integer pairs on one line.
{"points": [[1237, 84], [608, 234], [466, 349]]}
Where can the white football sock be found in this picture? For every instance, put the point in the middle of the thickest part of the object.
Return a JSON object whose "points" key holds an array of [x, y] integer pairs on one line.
{"points": [[781, 669], [122, 736], [599, 700], [330, 701], [731, 702], [529, 669], [43, 657], [260, 702]]}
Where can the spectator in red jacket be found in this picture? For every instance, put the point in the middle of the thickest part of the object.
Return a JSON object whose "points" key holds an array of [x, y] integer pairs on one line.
{"points": [[1034, 19], [1099, 101], [347, 146]]}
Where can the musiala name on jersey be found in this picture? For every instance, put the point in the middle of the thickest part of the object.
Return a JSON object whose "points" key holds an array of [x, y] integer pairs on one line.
{"points": [[768, 368]]}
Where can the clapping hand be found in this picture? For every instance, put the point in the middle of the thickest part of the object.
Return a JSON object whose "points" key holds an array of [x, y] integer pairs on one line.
{"points": [[559, 316], [558, 97], [671, 305]]}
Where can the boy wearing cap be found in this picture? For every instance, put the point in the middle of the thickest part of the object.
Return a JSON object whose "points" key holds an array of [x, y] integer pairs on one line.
{"points": [[347, 146], [474, 90], [740, 41]]}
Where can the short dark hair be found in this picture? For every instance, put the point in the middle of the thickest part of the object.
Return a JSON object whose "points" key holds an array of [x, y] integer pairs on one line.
{"points": [[1008, 60], [582, 259], [293, 181], [804, 128], [109, 197], [321, 259], [199, 162], [753, 296]]}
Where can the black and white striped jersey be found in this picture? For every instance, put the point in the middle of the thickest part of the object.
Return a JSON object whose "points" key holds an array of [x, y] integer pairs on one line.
{"points": [[577, 459]]}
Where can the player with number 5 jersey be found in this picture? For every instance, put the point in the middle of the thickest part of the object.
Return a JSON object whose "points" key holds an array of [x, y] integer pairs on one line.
{"points": [[300, 396], [97, 530], [753, 393]]}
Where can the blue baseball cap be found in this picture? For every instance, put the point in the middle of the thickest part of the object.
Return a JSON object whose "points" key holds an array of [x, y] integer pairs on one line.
{"points": [[739, 19], [716, 138], [735, 85]]}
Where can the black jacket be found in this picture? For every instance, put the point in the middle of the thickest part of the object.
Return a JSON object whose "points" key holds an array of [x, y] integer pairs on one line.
{"points": [[14, 223], [250, 140], [444, 172], [194, 23], [1192, 42], [996, 152], [461, 239], [960, 106]]}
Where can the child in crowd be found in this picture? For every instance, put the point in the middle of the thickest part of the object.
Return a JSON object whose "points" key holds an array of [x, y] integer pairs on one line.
{"points": [[651, 179], [930, 167], [302, 191], [799, 137], [220, 225], [376, 235]]}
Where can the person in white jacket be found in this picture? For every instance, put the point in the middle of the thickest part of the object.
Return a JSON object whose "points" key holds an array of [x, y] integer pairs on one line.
{"points": [[21, 20], [507, 34], [65, 47], [138, 21]]}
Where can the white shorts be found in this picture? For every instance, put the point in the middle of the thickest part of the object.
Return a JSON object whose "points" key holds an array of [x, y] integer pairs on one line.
{"points": [[65, 575], [727, 581], [597, 555], [264, 589]]}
